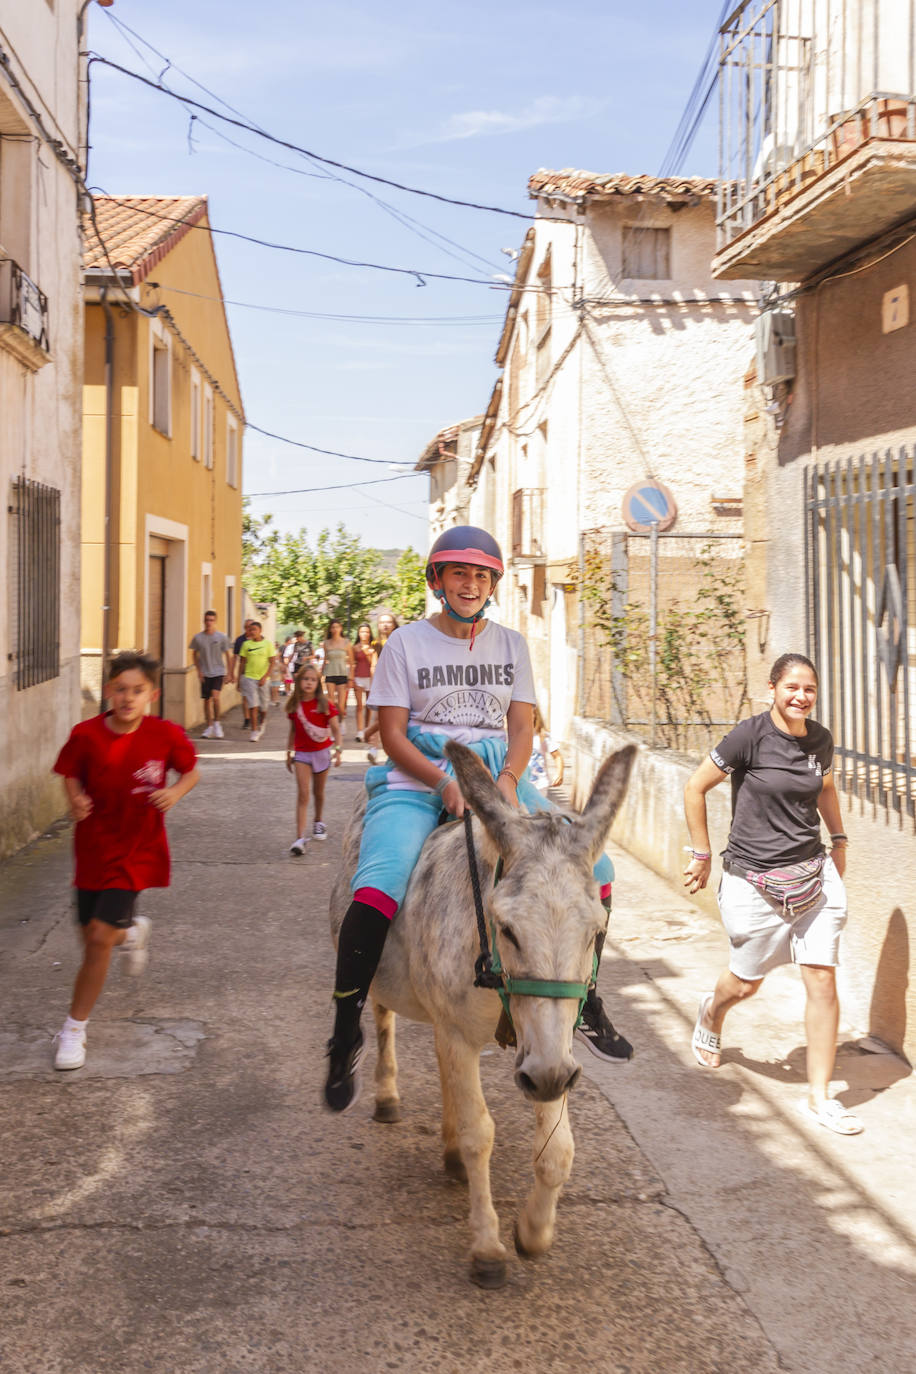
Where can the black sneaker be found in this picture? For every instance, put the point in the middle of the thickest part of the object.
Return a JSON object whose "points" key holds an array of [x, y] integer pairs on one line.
{"points": [[341, 1091], [597, 1033]]}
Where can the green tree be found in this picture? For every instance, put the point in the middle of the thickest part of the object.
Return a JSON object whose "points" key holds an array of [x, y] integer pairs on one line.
{"points": [[257, 536], [336, 579], [408, 600]]}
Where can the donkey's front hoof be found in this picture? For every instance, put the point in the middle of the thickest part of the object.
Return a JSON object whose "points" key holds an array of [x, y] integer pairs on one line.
{"points": [[454, 1166], [387, 1111], [527, 1247], [488, 1273]]}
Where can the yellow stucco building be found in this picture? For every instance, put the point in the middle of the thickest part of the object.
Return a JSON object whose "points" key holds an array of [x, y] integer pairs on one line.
{"points": [[162, 444]]}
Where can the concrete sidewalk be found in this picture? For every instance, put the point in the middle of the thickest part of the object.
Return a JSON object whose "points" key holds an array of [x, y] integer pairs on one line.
{"points": [[817, 1232], [182, 1204]]}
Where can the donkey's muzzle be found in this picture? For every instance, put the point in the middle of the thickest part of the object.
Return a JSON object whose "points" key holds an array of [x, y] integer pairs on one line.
{"points": [[546, 1083]]}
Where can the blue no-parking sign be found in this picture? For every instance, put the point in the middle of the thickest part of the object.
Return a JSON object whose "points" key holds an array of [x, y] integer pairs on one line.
{"points": [[648, 503]]}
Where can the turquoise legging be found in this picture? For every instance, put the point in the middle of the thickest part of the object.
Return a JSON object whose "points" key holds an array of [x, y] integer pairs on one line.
{"points": [[399, 821]]}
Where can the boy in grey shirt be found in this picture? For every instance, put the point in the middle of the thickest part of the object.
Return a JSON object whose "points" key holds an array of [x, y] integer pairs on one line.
{"points": [[212, 652]]}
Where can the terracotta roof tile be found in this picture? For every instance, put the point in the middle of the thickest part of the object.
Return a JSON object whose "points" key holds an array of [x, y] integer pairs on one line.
{"points": [[574, 185], [137, 231]]}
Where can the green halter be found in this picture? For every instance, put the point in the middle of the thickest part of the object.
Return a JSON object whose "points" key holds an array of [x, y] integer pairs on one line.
{"points": [[532, 987]]}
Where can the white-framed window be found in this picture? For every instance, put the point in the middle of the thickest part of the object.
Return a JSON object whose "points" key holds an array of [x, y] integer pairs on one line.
{"points": [[206, 590], [196, 414], [208, 427], [646, 253], [160, 377], [232, 451]]}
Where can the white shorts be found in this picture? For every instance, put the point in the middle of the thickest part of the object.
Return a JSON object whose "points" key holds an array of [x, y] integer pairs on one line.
{"points": [[762, 937], [363, 683], [255, 693]]}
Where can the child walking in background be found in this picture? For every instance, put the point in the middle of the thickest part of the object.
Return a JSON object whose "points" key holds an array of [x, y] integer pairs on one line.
{"points": [[364, 660], [115, 769], [545, 767], [313, 722]]}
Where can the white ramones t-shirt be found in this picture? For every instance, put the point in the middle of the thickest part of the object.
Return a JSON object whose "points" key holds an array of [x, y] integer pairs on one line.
{"points": [[450, 689]]}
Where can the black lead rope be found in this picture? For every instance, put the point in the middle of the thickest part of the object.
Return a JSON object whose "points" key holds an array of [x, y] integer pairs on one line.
{"points": [[484, 977]]}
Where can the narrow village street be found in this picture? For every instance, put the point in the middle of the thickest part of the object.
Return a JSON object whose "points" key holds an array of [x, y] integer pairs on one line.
{"points": [[183, 1205]]}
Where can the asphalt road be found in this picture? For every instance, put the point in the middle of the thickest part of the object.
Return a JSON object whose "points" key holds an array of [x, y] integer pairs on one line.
{"points": [[183, 1204]]}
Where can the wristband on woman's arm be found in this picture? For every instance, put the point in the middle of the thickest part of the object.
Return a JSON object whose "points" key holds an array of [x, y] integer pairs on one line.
{"points": [[443, 783], [697, 853]]}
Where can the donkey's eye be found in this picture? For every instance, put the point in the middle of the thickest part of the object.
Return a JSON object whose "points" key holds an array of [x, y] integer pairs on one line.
{"points": [[510, 935]]}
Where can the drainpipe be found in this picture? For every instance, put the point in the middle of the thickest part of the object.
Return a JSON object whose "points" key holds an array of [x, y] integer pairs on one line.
{"points": [[109, 481]]}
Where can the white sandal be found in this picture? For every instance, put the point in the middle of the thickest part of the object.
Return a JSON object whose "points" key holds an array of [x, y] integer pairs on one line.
{"points": [[704, 1039], [833, 1116]]}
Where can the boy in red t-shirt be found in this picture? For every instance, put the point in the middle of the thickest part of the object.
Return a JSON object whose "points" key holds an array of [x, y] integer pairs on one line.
{"points": [[115, 768], [313, 723]]}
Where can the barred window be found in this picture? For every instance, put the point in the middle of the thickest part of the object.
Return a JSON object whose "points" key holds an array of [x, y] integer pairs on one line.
{"points": [[34, 512]]}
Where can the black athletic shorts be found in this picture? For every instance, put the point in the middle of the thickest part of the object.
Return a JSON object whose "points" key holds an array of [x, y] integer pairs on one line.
{"points": [[337, 681], [209, 685], [113, 905]]}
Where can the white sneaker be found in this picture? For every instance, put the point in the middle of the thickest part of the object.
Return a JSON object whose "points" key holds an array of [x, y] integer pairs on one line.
{"points": [[298, 846], [358, 738], [319, 831], [372, 756], [208, 733], [218, 731], [71, 1048], [134, 951], [259, 733], [254, 737]]}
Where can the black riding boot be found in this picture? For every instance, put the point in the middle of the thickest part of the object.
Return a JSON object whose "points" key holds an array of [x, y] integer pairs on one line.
{"points": [[596, 1030], [359, 949]]}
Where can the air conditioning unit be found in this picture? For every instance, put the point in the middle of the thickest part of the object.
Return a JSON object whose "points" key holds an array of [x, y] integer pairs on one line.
{"points": [[775, 338]]}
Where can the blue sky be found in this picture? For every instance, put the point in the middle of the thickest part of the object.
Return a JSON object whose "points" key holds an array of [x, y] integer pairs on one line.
{"points": [[464, 99]]}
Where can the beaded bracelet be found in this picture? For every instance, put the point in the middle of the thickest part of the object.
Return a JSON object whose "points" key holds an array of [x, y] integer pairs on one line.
{"points": [[507, 772]]}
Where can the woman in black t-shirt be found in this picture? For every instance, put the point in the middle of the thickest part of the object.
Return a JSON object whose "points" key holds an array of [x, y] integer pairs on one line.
{"points": [[781, 897]]}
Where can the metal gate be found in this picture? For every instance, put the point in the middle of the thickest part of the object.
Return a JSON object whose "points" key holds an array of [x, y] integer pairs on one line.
{"points": [[861, 620], [34, 511]]}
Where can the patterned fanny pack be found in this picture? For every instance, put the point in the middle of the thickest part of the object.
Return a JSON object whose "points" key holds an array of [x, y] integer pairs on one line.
{"points": [[795, 887]]}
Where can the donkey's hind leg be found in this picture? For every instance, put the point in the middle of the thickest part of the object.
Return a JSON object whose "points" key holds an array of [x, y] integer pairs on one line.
{"points": [[387, 1099], [553, 1158], [451, 1150]]}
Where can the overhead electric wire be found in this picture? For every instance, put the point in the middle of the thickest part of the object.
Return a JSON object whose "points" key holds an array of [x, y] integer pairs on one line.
{"points": [[414, 226], [337, 486], [297, 148], [327, 315], [419, 273]]}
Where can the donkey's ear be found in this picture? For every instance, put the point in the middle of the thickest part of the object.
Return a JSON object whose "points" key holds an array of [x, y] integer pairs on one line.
{"points": [[607, 794], [485, 798]]}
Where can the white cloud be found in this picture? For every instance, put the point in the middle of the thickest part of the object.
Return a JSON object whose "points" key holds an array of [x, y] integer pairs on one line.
{"points": [[546, 109]]}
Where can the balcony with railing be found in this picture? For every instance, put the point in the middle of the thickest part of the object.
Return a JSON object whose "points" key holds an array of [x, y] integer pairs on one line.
{"points": [[528, 526], [817, 132], [23, 316]]}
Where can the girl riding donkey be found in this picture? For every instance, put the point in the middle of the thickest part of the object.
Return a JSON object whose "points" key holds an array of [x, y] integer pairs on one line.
{"points": [[454, 676]]}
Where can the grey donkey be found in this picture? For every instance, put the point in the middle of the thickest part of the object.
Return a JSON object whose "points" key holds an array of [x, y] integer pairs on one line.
{"points": [[546, 913]]}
